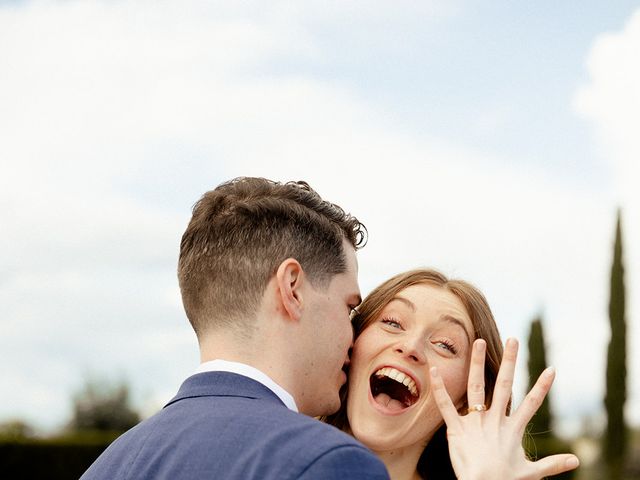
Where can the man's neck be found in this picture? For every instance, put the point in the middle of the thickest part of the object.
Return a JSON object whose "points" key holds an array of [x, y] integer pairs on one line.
{"points": [[265, 356], [227, 345]]}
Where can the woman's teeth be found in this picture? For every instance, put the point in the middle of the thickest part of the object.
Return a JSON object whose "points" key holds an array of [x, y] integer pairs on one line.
{"points": [[399, 377]]}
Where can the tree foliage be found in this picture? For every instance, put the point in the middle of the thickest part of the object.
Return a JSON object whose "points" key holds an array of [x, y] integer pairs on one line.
{"points": [[103, 407], [615, 438], [15, 430], [541, 422], [540, 441]]}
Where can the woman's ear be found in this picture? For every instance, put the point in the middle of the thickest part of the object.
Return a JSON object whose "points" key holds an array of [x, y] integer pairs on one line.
{"points": [[289, 279]]}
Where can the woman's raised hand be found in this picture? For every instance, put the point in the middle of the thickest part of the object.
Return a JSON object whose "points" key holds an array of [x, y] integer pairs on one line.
{"points": [[486, 443]]}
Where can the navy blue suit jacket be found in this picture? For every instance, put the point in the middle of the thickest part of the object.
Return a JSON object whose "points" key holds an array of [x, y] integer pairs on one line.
{"points": [[226, 426]]}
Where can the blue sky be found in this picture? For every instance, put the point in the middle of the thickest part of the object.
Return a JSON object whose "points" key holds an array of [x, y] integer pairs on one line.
{"points": [[497, 60], [492, 141]]}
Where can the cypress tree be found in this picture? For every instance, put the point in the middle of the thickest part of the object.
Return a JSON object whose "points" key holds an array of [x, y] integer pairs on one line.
{"points": [[540, 442], [615, 438], [540, 425]]}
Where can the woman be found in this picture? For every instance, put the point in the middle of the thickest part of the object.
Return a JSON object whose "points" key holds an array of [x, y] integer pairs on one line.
{"points": [[419, 357]]}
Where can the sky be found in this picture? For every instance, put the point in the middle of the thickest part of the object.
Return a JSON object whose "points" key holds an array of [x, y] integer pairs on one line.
{"points": [[494, 141]]}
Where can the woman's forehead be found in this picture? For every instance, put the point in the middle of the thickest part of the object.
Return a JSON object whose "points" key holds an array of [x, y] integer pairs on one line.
{"points": [[434, 302]]}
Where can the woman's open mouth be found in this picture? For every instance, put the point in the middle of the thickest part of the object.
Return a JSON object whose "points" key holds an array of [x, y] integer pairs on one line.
{"points": [[393, 389]]}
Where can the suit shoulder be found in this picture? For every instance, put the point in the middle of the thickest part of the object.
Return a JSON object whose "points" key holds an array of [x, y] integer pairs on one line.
{"points": [[322, 451], [235, 438], [315, 440], [346, 461], [306, 427]]}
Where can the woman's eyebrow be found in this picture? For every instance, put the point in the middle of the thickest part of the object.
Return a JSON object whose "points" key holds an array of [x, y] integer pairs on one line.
{"points": [[408, 303], [456, 321]]}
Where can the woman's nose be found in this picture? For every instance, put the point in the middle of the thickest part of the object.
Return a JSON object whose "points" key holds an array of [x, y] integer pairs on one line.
{"points": [[412, 348]]}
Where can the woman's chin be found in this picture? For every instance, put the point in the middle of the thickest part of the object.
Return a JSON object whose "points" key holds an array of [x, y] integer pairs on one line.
{"points": [[378, 436], [377, 440], [382, 432]]}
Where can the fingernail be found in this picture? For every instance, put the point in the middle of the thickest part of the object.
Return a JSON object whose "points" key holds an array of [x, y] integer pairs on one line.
{"points": [[480, 345], [433, 371], [550, 372], [572, 463]]}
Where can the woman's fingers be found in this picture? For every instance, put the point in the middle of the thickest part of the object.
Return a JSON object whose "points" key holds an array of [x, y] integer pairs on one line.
{"points": [[443, 400], [554, 465], [534, 399], [504, 382], [492, 442], [475, 384]]}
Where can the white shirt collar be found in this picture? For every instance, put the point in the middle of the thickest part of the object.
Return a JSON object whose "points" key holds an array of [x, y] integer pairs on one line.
{"points": [[220, 365]]}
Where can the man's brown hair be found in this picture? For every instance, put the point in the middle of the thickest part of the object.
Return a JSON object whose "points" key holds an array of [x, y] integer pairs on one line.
{"points": [[238, 236]]}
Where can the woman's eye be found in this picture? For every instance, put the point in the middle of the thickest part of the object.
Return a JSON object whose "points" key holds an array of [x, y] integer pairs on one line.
{"points": [[391, 322], [446, 346]]}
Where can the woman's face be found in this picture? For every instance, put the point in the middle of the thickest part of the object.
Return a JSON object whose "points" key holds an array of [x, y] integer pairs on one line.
{"points": [[390, 405]]}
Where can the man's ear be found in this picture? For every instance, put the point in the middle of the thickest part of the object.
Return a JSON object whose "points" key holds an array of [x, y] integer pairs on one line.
{"points": [[289, 278]]}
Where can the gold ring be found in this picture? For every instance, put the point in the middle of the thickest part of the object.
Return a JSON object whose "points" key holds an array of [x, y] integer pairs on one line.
{"points": [[478, 407]]}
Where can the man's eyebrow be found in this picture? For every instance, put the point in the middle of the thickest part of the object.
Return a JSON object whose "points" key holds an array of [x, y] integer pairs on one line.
{"points": [[456, 321], [408, 303]]}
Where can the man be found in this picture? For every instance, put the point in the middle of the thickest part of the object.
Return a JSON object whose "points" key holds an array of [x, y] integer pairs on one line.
{"points": [[268, 276]]}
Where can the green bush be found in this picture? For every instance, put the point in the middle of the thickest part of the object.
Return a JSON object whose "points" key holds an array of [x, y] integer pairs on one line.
{"points": [[59, 458]]}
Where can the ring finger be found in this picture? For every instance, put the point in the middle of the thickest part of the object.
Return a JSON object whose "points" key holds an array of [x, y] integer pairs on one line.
{"points": [[475, 384]]}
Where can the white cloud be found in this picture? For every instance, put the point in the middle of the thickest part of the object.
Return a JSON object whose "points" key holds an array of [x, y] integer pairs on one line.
{"points": [[611, 100]]}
